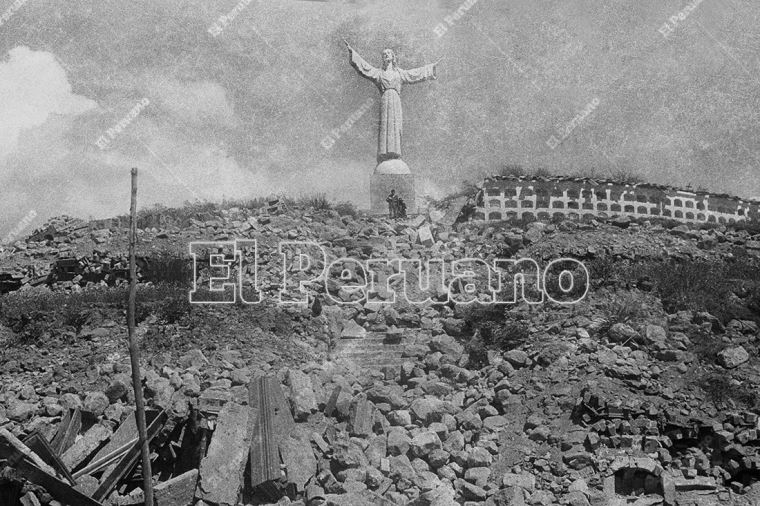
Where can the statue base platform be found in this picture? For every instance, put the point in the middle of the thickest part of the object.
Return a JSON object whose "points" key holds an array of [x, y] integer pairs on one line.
{"points": [[392, 175]]}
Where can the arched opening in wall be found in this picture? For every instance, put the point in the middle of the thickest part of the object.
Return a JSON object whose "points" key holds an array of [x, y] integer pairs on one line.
{"points": [[689, 204], [615, 208], [479, 216], [588, 205], [628, 197], [631, 481], [711, 219], [654, 211], [601, 195], [493, 192], [678, 203], [544, 216], [494, 203], [667, 213], [588, 217], [641, 198], [494, 216], [587, 194], [557, 204], [641, 210], [528, 217], [573, 216], [510, 192], [722, 220], [573, 194], [679, 214], [510, 204], [689, 216], [557, 192], [558, 216], [700, 216], [700, 206], [526, 203], [654, 200], [511, 215], [601, 207], [628, 209], [572, 205], [731, 220]]}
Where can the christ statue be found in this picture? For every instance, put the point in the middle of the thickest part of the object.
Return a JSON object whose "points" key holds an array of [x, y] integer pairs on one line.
{"points": [[389, 80]]}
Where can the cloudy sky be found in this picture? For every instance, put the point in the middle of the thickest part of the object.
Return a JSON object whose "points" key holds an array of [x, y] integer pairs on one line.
{"points": [[668, 89]]}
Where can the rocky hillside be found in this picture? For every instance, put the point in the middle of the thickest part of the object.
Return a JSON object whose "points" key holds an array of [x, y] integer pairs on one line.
{"points": [[646, 392]]}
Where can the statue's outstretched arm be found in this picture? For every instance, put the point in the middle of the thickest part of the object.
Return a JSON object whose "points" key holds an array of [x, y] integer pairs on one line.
{"points": [[362, 67], [424, 73]]}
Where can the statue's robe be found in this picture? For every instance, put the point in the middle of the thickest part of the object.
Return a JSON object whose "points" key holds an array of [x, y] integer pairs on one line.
{"points": [[389, 83]]}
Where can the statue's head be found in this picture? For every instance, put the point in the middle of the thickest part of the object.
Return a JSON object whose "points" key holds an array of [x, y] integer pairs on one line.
{"points": [[389, 58]]}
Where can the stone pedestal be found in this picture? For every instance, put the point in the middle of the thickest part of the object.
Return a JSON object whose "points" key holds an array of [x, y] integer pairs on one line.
{"points": [[392, 175]]}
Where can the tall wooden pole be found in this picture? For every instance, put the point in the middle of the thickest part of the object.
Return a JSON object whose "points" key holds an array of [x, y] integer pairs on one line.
{"points": [[134, 352]]}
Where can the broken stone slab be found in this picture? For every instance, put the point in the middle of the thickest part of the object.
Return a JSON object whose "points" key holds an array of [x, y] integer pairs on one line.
{"points": [[352, 330], [177, 491], [696, 483], [212, 400], [300, 462], [522, 480], [361, 416], [425, 236], [303, 401], [85, 446], [221, 471]]}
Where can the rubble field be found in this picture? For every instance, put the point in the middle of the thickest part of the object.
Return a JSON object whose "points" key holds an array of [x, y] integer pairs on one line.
{"points": [[646, 392]]}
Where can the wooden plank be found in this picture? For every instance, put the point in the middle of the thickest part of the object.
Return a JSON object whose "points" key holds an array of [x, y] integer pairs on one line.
{"points": [[126, 432], [67, 431], [113, 476], [105, 461], [60, 490], [264, 454], [30, 466], [39, 445], [220, 478]]}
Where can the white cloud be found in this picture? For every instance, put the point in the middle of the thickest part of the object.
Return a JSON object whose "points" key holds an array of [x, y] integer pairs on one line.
{"points": [[33, 85]]}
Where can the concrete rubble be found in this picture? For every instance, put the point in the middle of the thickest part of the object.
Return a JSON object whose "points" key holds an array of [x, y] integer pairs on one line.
{"points": [[355, 404]]}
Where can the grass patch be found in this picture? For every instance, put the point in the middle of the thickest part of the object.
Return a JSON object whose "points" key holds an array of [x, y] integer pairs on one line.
{"points": [[718, 387]]}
